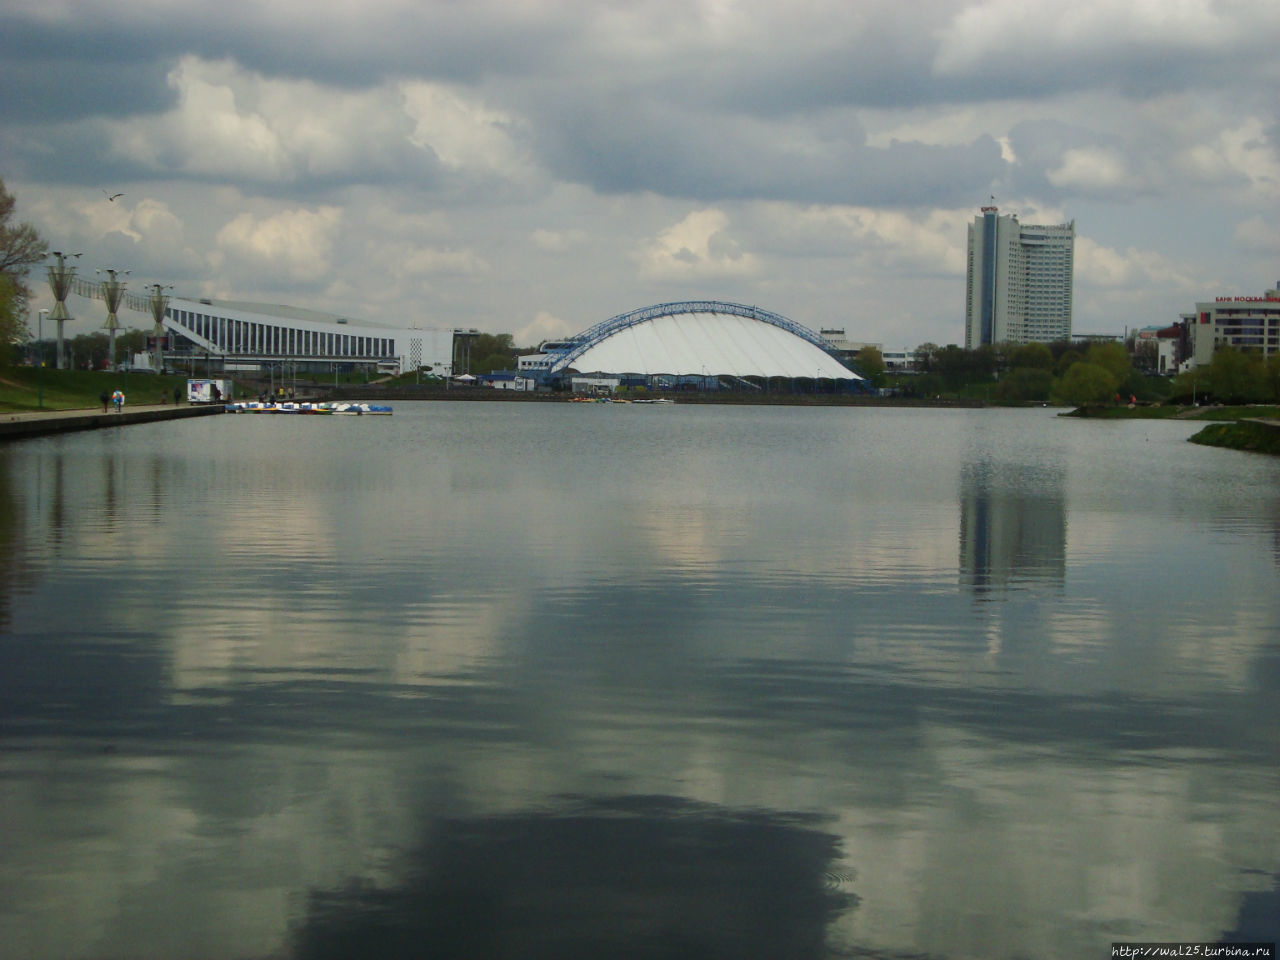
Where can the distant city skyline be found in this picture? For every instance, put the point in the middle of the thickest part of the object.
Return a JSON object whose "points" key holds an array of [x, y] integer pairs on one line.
{"points": [[536, 168]]}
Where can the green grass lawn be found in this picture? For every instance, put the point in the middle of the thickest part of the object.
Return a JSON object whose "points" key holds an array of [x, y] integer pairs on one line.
{"points": [[1254, 437], [1162, 412], [1168, 410], [1252, 412], [21, 388]]}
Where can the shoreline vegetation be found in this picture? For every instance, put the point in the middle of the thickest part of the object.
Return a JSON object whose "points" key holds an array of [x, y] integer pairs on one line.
{"points": [[21, 389], [1251, 436], [1178, 411], [1253, 428], [30, 389], [1249, 428]]}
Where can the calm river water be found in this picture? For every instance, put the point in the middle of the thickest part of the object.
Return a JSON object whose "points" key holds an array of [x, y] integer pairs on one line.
{"points": [[561, 681]]}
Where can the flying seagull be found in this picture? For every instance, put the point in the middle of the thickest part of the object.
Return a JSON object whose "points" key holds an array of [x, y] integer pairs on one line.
{"points": [[112, 196]]}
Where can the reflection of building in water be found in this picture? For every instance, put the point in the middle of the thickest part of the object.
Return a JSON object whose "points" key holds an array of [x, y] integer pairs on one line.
{"points": [[10, 535], [1013, 526]]}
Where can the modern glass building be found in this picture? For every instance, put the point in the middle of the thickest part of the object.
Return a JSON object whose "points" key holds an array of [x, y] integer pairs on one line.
{"points": [[1019, 280]]}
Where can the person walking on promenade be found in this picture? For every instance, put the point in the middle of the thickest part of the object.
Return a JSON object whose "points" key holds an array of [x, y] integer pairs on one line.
{"points": [[105, 398], [177, 396], [118, 399]]}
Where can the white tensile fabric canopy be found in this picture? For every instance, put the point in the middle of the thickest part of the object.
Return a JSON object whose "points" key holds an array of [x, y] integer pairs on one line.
{"points": [[710, 344]]}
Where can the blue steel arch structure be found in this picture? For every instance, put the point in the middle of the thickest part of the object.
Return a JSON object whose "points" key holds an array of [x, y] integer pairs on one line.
{"points": [[607, 328]]}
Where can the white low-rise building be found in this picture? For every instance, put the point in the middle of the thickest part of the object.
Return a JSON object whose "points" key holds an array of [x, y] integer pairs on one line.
{"points": [[246, 336]]}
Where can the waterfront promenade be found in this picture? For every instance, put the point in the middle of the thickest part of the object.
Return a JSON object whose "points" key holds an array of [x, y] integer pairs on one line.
{"points": [[18, 426]]}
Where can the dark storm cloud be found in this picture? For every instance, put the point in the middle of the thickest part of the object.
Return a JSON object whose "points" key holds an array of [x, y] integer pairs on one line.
{"points": [[348, 48], [1134, 66], [765, 111], [70, 89], [628, 115], [773, 63], [76, 155], [618, 145]]}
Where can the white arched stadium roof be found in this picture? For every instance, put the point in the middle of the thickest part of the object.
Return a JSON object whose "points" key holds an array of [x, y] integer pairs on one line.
{"points": [[709, 344]]}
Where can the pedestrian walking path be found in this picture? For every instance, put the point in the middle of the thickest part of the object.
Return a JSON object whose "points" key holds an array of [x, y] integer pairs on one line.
{"points": [[16, 426]]}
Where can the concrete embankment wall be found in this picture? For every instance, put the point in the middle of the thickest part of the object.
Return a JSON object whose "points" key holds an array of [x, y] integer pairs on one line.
{"points": [[18, 426]]}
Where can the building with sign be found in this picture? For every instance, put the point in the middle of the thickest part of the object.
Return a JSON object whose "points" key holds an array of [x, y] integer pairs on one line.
{"points": [[1244, 322], [1020, 280]]}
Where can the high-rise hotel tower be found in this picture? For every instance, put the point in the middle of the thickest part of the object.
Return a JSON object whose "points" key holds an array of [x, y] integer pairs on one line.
{"points": [[1019, 287]]}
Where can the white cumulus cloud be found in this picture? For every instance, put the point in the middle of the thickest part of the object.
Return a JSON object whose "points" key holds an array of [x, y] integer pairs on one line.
{"points": [[297, 242], [544, 326], [699, 245], [984, 34], [1102, 266], [461, 130], [1091, 169]]}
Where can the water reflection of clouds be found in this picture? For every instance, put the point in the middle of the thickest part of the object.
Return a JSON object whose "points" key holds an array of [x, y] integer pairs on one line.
{"points": [[1229, 654], [264, 531], [1133, 851], [436, 640], [630, 876], [1079, 631], [334, 718], [959, 842], [183, 853]]}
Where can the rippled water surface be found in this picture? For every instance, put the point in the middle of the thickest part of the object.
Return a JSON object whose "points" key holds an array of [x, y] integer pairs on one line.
{"points": [[500, 680]]}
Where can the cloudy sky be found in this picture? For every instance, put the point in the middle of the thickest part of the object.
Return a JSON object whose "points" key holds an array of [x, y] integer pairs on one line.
{"points": [[535, 166]]}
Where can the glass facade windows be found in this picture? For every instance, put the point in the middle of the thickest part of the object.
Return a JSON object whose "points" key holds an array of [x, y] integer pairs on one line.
{"points": [[249, 338]]}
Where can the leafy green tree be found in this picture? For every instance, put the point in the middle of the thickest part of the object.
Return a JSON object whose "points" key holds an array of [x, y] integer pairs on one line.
{"points": [[20, 247], [128, 343], [1191, 385], [89, 350], [13, 329], [492, 351], [1273, 377], [1066, 360], [953, 365], [1085, 383], [1237, 376], [1031, 355], [922, 385], [871, 362], [1112, 357], [926, 356], [1024, 385]]}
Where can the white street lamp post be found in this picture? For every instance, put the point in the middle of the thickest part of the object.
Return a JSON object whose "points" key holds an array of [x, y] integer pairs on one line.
{"points": [[40, 382]]}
